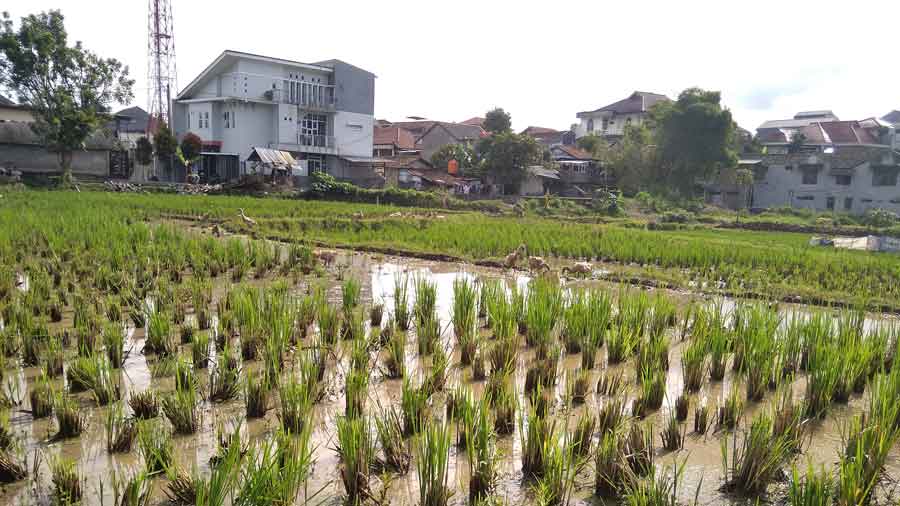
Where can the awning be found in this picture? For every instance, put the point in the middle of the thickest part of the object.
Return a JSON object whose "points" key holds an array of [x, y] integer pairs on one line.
{"points": [[543, 172], [271, 157]]}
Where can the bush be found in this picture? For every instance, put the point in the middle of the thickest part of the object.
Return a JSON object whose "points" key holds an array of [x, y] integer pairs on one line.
{"points": [[879, 218], [325, 186], [675, 217]]}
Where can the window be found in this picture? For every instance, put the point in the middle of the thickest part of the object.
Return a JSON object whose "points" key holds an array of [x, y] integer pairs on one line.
{"points": [[884, 176], [606, 123], [848, 203], [590, 125], [810, 173], [806, 197], [843, 180], [315, 163], [313, 129], [829, 203], [227, 121]]}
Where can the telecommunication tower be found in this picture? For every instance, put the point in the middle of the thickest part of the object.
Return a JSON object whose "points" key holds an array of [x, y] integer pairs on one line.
{"points": [[161, 74]]}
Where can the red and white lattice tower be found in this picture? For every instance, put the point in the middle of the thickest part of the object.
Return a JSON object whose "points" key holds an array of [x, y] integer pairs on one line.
{"points": [[161, 75]]}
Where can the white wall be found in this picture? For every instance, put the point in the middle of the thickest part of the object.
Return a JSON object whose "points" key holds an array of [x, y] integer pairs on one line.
{"points": [[287, 123], [350, 140], [255, 128], [616, 124]]}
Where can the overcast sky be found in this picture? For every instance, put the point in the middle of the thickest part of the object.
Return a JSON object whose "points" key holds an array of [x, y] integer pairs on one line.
{"points": [[541, 61]]}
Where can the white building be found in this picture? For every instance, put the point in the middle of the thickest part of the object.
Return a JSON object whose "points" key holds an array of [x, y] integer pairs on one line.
{"points": [[610, 121], [322, 113]]}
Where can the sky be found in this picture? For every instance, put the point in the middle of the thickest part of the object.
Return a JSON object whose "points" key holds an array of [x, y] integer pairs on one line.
{"points": [[541, 61]]}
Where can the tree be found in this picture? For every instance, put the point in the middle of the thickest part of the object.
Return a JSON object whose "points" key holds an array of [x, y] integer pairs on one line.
{"points": [[591, 142], [189, 151], [68, 88], [506, 156], [633, 159], [144, 151], [694, 138], [462, 153], [164, 143], [497, 121]]}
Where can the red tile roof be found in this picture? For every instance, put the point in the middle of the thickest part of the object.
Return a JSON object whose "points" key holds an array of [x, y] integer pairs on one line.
{"points": [[824, 132], [574, 152], [399, 137], [476, 121]]}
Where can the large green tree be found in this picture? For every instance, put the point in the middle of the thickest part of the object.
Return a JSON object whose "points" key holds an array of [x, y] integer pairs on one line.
{"points": [[68, 88], [497, 121], [462, 153], [633, 159], [506, 156], [694, 137]]}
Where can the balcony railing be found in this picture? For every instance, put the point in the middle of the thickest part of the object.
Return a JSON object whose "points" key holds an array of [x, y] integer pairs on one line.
{"points": [[310, 95], [316, 141]]}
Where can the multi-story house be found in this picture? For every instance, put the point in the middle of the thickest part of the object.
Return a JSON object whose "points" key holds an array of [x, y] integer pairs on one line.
{"points": [[610, 121], [893, 119], [842, 166], [321, 113]]}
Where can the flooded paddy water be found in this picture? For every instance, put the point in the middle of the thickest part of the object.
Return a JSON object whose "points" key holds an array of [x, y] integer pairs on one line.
{"points": [[700, 458]]}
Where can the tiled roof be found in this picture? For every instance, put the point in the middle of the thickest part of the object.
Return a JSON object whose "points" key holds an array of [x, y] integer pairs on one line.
{"points": [[400, 137], [134, 119], [574, 152], [892, 117], [473, 121], [801, 119], [639, 101], [417, 127], [823, 132], [458, 131], [535, 131]]}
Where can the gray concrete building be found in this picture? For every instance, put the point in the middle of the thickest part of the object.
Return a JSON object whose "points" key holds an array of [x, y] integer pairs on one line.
{"points": [[828, 165]]}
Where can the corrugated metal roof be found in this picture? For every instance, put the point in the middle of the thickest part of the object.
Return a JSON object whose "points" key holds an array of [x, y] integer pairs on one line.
{"points": [[271, 157], [543, 172]]}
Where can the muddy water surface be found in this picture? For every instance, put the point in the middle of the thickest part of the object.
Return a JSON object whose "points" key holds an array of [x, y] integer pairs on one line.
{"points": [[700, 457]]}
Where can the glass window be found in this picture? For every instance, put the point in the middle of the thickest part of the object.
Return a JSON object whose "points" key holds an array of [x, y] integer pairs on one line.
{"points": [[810, 173], [590, 125], [829, 203], [848, 203], [884, 177], [843, 180]]}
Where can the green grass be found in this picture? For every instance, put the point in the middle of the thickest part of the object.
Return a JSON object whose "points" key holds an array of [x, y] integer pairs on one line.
{"points": [[67, 481], [432, 464], [356, 448]]}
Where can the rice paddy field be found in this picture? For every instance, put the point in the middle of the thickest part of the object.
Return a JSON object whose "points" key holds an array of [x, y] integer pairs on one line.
{"points": [[149, 361]]}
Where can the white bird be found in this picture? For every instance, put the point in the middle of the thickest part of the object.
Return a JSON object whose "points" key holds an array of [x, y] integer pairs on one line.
{"points": [[247, 220]]}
